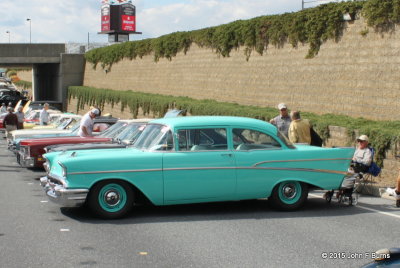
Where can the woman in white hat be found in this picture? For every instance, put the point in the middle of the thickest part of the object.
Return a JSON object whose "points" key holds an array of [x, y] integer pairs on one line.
{"points": [[362, 157]]}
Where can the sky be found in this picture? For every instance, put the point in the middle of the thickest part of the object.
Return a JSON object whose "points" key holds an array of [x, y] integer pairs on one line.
{"points": [[68, 21]]}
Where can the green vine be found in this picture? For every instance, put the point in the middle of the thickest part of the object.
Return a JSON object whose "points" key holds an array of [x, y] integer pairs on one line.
{"points": [[383, 134], [23, 84], [313, 26]]}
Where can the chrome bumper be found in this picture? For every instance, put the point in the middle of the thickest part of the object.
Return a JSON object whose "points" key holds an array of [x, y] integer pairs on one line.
{"points": [[25, 161], [57, 193]]}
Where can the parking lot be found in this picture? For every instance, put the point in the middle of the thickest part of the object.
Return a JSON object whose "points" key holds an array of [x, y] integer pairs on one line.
{"points": [[37, 233]]}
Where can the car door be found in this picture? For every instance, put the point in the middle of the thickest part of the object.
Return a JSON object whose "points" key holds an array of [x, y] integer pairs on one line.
{"points": [[252, 149], [201, 169]]}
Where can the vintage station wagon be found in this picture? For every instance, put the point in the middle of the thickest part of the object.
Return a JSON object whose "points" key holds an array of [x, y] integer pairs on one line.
{"points": [[191, 160]]}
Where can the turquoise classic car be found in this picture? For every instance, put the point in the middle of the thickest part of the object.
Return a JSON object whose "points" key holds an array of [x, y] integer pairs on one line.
{"points": [[191, 160]]}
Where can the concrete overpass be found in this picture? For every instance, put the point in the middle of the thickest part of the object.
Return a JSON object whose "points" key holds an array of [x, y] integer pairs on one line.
{"points": [[53, 69]]}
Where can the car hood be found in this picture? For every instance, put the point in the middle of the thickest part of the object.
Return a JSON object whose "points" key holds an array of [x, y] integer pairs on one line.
{"points": [[26, 133], [98, 160]]}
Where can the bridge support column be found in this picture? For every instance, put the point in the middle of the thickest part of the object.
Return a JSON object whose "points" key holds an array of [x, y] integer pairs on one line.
{"points": [[72, 68]]}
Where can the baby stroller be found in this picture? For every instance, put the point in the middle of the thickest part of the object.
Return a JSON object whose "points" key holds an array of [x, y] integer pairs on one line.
{"points": [[348, 191]]}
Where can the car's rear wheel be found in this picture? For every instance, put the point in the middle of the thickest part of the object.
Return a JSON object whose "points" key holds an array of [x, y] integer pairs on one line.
{"points": [[111, 199], [289, 195]]}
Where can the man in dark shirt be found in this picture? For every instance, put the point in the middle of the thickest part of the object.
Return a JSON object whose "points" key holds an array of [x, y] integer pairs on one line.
{"points": [[10, 122]]}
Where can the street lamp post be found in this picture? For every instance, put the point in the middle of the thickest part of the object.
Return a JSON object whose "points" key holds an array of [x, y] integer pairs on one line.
{"points": [[9, 36], [30, 29]]}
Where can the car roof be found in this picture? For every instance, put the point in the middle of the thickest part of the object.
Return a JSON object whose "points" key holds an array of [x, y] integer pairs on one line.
{"points": [[193, 121]]}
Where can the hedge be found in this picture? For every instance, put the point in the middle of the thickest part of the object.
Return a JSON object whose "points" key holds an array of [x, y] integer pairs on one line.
{"points": [[382, 134]]}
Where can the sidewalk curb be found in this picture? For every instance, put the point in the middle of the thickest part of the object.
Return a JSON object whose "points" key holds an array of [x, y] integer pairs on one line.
{"points": [[376, 191]]}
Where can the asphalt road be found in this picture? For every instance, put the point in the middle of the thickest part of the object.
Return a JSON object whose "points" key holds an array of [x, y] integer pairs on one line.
{"points": [[37, 233]]}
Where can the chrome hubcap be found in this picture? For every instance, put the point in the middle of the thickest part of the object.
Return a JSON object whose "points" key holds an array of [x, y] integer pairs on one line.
{"points": [[112, 198], [289, 191]]}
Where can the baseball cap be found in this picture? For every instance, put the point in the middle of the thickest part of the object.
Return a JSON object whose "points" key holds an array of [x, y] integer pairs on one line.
{"points": [[282, 106], [363, 138], [95, 111]]}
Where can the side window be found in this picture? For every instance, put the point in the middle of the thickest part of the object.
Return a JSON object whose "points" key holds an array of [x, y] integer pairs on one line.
{"points": [[248, 139], [202, 139]]}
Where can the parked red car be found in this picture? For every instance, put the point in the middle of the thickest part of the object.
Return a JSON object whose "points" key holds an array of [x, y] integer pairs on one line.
{"points": [[1, 122], [31, 151]]}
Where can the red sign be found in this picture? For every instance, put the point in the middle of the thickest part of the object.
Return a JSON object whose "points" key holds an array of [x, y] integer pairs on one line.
{"points": [[128, 23], [105, 18]]}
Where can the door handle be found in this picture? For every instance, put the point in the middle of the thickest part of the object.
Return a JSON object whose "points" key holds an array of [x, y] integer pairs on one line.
{"points": [[228, 154]]}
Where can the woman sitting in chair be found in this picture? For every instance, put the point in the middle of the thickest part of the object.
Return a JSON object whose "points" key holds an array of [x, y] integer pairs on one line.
{"points": [[362, 157]]}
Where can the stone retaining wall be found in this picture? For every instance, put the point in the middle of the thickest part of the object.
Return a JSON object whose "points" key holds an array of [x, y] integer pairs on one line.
{"points": [[357, 76]]}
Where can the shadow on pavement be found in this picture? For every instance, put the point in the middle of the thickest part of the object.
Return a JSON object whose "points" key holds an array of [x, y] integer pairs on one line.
{"points": [[251, 209]]}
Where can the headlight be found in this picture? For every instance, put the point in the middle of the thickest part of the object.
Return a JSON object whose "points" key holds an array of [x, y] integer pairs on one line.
{"points": [[64, 169], [25, 150], [46, 165]]}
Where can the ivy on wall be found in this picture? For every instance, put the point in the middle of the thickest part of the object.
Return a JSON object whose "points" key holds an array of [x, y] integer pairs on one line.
{"points": [[311, 26], [383, 134]]}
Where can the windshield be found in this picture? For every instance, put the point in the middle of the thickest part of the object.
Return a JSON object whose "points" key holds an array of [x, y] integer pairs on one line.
{"points": [[114, 130], [131, 133], [155, 138], [68, 123], [75, 128]]}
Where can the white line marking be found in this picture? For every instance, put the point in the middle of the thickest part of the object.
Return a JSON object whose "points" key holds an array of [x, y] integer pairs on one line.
{"points": [[44, 201], [30, 183], [64, 230], [366, 208]]}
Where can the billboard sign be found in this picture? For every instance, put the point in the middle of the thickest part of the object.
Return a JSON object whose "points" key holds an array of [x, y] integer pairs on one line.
{"points": [[118, 17], [128, 18], [116, 2], [105, 18]]}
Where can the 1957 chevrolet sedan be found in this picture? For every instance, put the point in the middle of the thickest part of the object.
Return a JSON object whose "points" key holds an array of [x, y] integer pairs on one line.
{"points": [[191, 160]]}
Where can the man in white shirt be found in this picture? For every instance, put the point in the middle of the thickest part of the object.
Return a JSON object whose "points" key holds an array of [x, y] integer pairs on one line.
{"points": [[3, 108], [86, 126], [44, 115]]}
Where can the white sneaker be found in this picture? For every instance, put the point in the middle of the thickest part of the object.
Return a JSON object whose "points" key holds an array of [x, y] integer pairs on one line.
{"points": [[392, 192]]}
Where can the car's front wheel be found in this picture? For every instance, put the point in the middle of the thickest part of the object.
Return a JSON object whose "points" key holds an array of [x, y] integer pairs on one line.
{"points": [[111, 199], [289, 195]]}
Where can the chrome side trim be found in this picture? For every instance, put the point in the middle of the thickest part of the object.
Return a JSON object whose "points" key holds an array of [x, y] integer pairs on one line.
{"points": [[305, 170], [300, 160], [114, 171], [212, 168]]}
